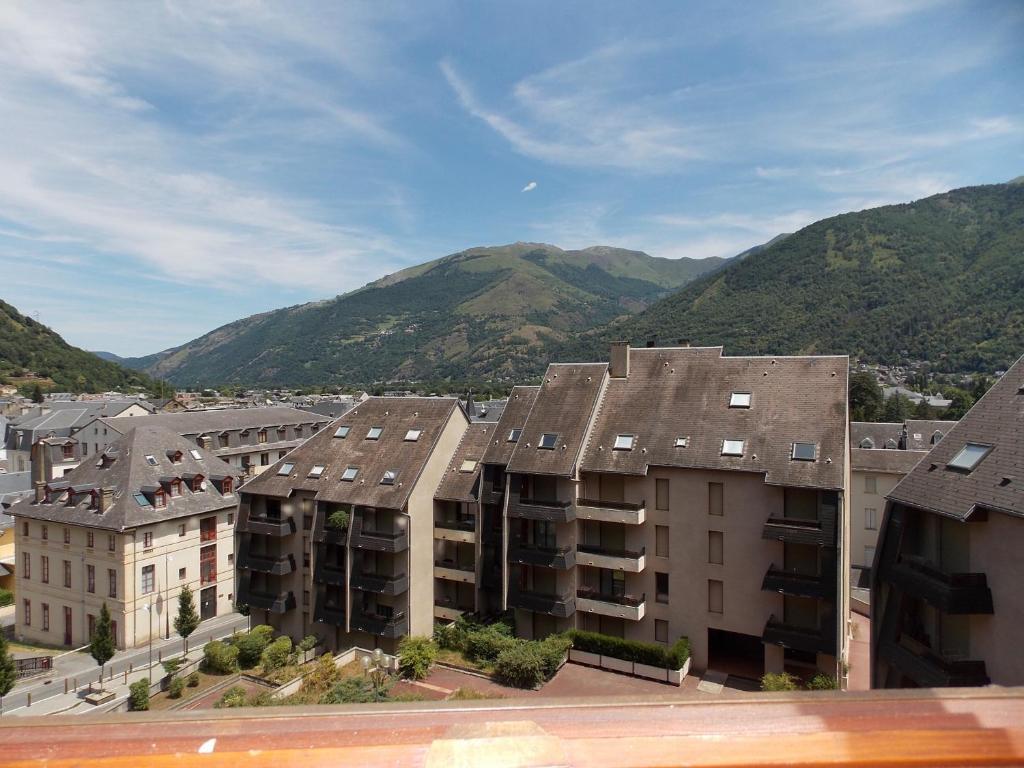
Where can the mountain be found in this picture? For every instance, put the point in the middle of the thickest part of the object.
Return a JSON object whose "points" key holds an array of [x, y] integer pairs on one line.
{"points": [[484, 313], [28, 346], [940, 279], [108, 356]]}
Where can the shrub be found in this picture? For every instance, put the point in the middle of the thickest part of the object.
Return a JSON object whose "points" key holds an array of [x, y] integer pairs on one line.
{"points": [[552, 650], [251, 646], [276, 654], [521, 666], [651, 654], [322, 677], [171, 665], [220, 658], [486, 644], [780, 681], [678, 654], [193, 680], [308, 643], [6, 597], [417, 655], [822, 682], [337, 520], [449, 637], [353, 690], [138, 695], [175, 688], [233, 697]]}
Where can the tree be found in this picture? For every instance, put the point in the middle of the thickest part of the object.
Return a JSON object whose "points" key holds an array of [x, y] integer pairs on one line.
{"points": [[187, 619], [962, 401], [102, 644], [37, 394], [8, 676], [897, 409], [865, 397]]}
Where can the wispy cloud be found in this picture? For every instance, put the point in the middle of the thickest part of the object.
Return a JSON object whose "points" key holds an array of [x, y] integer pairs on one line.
{"points": [[530, 187]]}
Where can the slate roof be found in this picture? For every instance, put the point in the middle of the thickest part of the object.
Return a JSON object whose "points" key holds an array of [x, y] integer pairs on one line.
{"points": [[920, 432], [997, 483], [373, 457], [224, 420], [457, 485], [332, 409], [884, 461], [513, 416], [564, 406], [128, 474], [685, 392], [878, 432]]}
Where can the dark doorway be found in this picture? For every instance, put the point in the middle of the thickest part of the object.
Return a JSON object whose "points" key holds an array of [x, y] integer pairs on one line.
{"points": [[735, 654], [208, 603], [67, 625]]}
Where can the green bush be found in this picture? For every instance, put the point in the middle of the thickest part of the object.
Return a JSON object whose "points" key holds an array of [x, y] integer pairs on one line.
{"points": [[193, 680], [251, 646], [354, 690], [233, 697], [138, 695], [651, 654], [552, 650], [521, 665], [779, 681], [337, 520], [276, 654], [322, 677], [175, 688], [308, 643], [486, 644], [417, 655], [822, 682], [171, 665], [6, 597], [220, 658]]}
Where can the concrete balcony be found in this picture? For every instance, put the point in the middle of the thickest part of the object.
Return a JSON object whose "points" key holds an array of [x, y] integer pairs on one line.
{"points": [[448, 613], [615, 559], [626, 512], [796, 531], [380, 541], [953, 593], [792, 636], [326, 613], [329, 573], [618, 606], [928, 670], [548, 511], [464, 533], [381, 583], [275, 565], [266, 526], [796, 584], [394, 627], [446, 569], [275, 602], [525, 553], [561, 606]]}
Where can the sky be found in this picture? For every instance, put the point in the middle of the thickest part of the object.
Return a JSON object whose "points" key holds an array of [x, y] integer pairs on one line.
{"points": [[168, 167]]}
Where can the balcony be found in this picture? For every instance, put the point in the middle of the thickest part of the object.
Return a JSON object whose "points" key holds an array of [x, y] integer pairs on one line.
{"points": [[491, 495], [626, 512], [327, 613], [792, 636], [279, 602], [953, 593], [797, 531], [607, 557], [452, 571], [449, 613], [561, 606], [526, 553], [796, 584], [464, 532], [267, 526], [380, 583], [382, 626], [548, 511], [618, 606], [327, 572], [378, 541], [928, 670], [275, 565]]}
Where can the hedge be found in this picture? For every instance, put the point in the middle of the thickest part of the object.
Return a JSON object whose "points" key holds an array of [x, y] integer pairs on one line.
{"points": [[276, 654], [251, 646], [521, 666], [486, 644], [220, 658], [651, 654], [416, 656], [138, 695]]}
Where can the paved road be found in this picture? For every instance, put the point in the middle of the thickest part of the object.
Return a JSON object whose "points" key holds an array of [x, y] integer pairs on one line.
{"points": [[81, 664]]}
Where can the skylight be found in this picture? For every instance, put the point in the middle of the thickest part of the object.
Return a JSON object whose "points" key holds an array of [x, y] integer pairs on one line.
{"points": [[374, 433], [682, 442], [389, 477], [547, 441], [342, 432], [286, 468], [350, 473], [804, 451], [969, 457], [151, 460], [142, 500], [513, 435], [468, 465], [413, 435], [624, 442], [739, 400], [732, 447], [195, 454], [317, 470]]}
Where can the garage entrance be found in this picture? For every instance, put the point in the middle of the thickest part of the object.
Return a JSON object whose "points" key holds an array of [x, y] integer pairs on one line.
{"points": [[736, 654]]}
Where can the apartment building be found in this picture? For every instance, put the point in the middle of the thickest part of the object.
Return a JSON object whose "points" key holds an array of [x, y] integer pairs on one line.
{"points": [[946, 600], [338, 538], [677, 491], [129, 527], [250, 439]]}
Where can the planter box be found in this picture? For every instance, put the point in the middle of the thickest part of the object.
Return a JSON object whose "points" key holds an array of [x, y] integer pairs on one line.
{"points": [[676, 676], [99, 697], [583, 657], [617, 665], [652, 673]]}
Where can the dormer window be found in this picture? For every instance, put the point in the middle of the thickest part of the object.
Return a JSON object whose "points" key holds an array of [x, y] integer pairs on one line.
{"points": [[732, 447], [739, 400], [936, 436], [374, 433], [141, 500], [804, 452], [867, 442], [513, 435], [151, 460], [174, 456], [226, 486], [547, 441], [223, 439], [68, 451], [413, 435], [175, 486], [342, 432], [468, 465], [198, 484], [624, 442], [317, 471], [281, 433], [286, 468], [969, 457], [195, 454], [682, 442], [159, 499], [389, 477], [350, 474]]}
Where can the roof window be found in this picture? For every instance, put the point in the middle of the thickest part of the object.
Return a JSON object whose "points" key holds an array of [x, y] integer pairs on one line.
{"points": [[547, 441], [682, 442], [317, 470], [867, 442], [804, 452], [468, 465], [739, 400], [342, 432], [195, 454], [732, 447], [374, 433], [389, 477], [350, 474], [624, 442], [413, 435], [286, 468], [151, 460], [513, 435], [969, 457], [142, 500]]}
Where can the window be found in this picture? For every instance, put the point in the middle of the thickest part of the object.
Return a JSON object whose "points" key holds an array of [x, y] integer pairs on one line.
{"points": [[739, 400], [413, 435], [222, 440], [159, 499], [208, 529], [715, 596], [151, 460], [682, 442], [661, 540], [195, 454], [181, 529], [231, 557], [85, 449], [175, 485], [661, 494], [46, 617], [732, 447], [307, 522], [264, 459], [68, 452], [90, 579], [261, 436], [305, 556], [67, 574], [110, 542], [148, 579], [46, 532], [305, 597], [624, 442], [208, 564], [298, 430], [870, 484], [661, 587], [181, 574], [147, 540], [513, 435], [44, 563], [227, 485], [286, 468], [91, 620], [969, 457], [804, 451], [716, 492], [374, 433], [282, 454], [67, 535], [141, 500], [317, 470], [869, 555], [547, 441], [24, 529], [468, 465], [90, 539], [660, 631], [716, 545], [231, 518], [389, 477], [26, 565], [870, 519], [112, 582], [27, 605], [350, 473]]}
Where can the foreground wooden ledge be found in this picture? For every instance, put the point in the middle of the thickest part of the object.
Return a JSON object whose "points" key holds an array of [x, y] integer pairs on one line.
{"points": [[980, 726]]}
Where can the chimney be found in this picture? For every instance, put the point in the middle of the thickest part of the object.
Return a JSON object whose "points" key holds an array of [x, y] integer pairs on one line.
{"points": [[40, 487], [684, 342], [41, 462], [618, 362], [106, 499], [651, 342]]}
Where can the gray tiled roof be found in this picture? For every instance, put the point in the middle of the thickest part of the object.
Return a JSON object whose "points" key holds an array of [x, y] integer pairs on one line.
{"points": [[457, 485], [883, 461], [513, 416], [373, 457], [997, 483], [564, 406], [128, 474], [920, 433], [682, 392], [210, 422], [878, 432]]}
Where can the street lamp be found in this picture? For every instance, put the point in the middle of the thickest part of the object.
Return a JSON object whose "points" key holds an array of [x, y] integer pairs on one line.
{"points": [[376, 670], [148, 608]]}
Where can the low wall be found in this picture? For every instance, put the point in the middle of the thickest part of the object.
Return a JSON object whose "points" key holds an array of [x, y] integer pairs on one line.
{"points": [[670, 676], [343, 659]]}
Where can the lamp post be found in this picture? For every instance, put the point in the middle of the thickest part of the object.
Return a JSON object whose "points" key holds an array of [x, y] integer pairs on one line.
{"points": [[376, 670], [148, 608], [167, 595]]}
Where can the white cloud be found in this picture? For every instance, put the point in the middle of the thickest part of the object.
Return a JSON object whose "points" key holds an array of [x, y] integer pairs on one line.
{"points": [[530, 187]]}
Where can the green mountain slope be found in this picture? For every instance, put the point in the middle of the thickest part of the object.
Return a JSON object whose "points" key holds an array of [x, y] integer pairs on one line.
{"points": [[485, 313], [26, 345], [940, 279]]}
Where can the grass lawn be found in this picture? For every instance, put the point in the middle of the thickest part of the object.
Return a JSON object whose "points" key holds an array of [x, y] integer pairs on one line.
{"points": [[457, 659], [206, 681], [35, 649]]}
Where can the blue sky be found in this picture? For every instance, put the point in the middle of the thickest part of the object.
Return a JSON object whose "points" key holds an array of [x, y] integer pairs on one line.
{"points": [[169, 167]]}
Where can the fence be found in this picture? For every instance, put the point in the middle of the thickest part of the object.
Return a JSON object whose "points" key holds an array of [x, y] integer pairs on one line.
{"points": [[36, 665]]}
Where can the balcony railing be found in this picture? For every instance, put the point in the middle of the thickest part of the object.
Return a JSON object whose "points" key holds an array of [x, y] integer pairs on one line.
{"points": [[611, 557], [629, 607], [449, 613], [378, 541], [279, 602], [267, 526], [381, 583], [793, 583], [328, 572], [525, 553], [548, 511], [452, 571], [953, 593], [796, 531], [462, 531], [382, 626], [628, 512], [275, 565], [327, 613], [792, 636], [560, 606], [929, 670]]}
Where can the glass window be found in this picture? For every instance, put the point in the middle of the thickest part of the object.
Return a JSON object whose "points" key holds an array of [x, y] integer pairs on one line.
{"points": [[870, 484], [148, 579], [317, 470], [732, 447], [147, 540], [682, 442], [90, 578], [513, 435], [660, 631], [547, 441], [716, 492], [624, 442], [286, 468], [374, 433], [389, 477], [661, 494], [342, 432], [467, 466], [870, 518], [111, 582], [413, 435], [350, 473], [715, 596], [661, 587], [805, 451], [739, 400], [195, 454], [661, 540], [715, 547], [969, 457], [151, 460]]}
